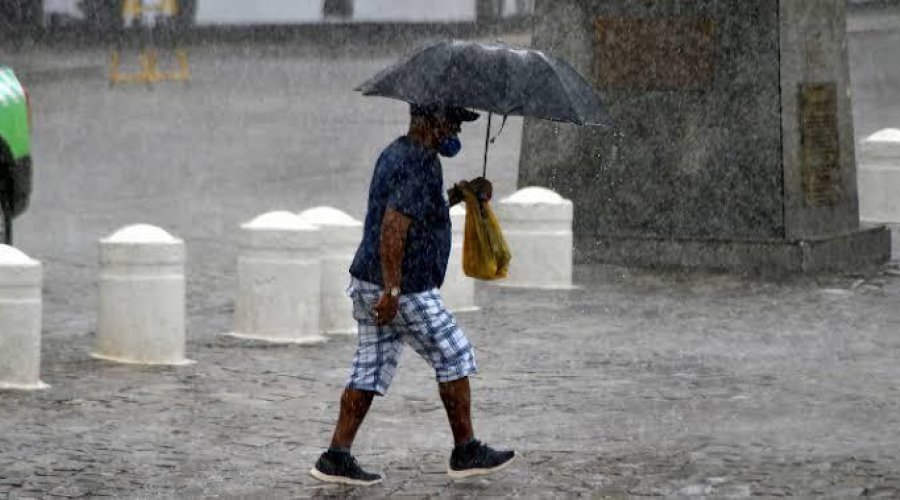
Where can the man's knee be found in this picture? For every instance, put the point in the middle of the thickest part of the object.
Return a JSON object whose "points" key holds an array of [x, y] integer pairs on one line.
{"points": [[453, 385], [356, 399]]}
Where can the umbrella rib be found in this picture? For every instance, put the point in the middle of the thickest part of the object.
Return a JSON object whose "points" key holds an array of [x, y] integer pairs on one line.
{"points": [[601, 117], [558, 76]]}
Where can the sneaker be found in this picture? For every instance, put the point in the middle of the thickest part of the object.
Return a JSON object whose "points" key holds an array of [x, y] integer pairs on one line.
{"points": [[337, 467], [477, 459]]}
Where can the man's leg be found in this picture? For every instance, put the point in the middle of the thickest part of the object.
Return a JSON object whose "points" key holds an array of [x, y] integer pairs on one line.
{"points": [[470, 457], [435, 335], [354, 406], [457, 399], [337, 465], [372, 371]]}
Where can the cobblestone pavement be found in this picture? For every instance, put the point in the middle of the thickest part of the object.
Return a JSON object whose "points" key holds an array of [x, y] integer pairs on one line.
{"points": [[637, 383]]}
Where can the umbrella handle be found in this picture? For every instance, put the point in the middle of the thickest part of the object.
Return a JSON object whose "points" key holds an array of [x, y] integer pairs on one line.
{"points": [[487, 143]]}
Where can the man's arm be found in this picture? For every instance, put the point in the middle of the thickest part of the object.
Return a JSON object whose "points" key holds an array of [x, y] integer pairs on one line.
{"points": [[394, 227]]}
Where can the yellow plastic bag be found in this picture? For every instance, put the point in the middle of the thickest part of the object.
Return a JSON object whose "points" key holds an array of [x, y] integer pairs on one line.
{"points": [[486, 255]]}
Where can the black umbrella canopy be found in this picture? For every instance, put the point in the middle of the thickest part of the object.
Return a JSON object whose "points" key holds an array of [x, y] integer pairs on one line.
{"points": [[493, 77]]}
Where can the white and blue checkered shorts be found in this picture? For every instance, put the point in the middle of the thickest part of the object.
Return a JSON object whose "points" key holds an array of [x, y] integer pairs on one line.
{"points": [[422, 321]]}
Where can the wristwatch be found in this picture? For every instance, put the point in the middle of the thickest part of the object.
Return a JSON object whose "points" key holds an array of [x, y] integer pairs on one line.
{"points": [[394, 291]]}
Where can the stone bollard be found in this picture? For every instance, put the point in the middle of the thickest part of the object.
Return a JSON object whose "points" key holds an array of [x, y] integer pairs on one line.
{"points": [[20, 320], [278, 274], [537, 223], [340, 235], [458, 290], [141, 316], [878, 181], [878, 177]]}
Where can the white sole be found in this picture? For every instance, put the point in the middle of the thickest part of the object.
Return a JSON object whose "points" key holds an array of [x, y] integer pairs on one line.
{"points": [[462, 474], [340, 479]]}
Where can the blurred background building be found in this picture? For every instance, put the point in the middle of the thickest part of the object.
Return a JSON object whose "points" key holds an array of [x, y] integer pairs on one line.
{"points": [[106, 14], [29, 16]]}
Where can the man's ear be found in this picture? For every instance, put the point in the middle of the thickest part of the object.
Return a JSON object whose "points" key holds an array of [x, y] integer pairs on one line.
{"points": [[436, 129]]}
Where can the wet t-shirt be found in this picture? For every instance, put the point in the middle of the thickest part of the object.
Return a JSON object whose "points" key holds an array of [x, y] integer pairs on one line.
{"points": [[409, 179]]}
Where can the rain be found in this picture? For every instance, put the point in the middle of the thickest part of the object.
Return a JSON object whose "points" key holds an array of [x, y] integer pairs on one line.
{"points": [[702, 294]]}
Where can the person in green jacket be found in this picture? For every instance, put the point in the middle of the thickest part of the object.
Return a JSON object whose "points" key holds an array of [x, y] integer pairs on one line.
{"points": [[15, 151]]}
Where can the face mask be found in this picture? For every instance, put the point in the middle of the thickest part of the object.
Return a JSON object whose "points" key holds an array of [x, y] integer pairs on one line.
{"points": [[449, 146]]}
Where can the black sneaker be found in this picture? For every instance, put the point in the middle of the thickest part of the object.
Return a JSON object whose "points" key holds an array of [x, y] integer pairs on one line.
{"points": [[477, 459], [337, 467]]}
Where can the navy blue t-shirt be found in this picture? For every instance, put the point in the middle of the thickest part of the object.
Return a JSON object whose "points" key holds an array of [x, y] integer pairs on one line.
{"points": [[407, 178]]}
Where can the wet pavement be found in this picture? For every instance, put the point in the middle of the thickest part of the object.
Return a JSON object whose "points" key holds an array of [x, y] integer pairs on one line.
{"points": [[636, 383]]}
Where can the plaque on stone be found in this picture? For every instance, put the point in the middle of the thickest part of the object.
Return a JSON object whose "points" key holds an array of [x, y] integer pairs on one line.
{"points": [[819, 144], [653, 53]]}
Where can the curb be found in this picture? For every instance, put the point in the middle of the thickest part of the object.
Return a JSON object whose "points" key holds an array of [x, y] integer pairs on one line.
{"points": [[32, 76]]}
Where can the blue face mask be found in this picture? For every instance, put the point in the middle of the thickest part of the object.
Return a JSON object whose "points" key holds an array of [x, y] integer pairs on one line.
{"points": [[450, 146]]}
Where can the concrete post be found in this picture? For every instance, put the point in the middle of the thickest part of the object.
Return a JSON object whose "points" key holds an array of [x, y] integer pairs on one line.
{"points": [[340, 236], [20, 320], [141, 316], [458, 290], [278, 273], [878, 178], [537, 224]]}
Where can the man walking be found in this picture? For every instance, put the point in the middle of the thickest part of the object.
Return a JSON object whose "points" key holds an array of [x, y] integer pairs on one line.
{"points": [[395, 277]]}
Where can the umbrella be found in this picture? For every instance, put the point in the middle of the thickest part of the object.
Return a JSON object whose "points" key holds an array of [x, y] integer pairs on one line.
{"points": [[492, 77]]}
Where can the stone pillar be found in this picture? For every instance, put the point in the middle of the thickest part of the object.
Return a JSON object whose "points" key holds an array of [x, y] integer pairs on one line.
{"points": [[340, 236], [20, 320], [278, 274], [458, 290], [733, 140], [141, 316], [879, 182], [537, 224]]}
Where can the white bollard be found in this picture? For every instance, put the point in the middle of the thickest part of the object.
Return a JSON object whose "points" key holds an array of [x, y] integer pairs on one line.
{"points": [[537, 224], [141, 316], [878, 177], [340, 236], [278, 274], [458, 290], [20, 320]]}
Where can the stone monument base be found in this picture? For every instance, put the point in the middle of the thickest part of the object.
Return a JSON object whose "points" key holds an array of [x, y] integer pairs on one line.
{"points": [[732, 146], [865, 247]]}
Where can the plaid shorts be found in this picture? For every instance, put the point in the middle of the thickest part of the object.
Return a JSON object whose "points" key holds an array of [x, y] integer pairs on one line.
{"points": [[422, 321]]}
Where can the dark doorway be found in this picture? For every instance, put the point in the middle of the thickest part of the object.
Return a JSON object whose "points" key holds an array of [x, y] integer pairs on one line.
{"points": [[488, 10], [338, 8]]}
